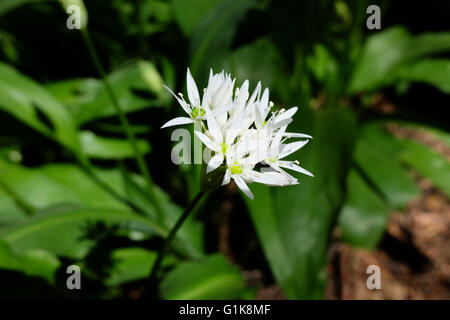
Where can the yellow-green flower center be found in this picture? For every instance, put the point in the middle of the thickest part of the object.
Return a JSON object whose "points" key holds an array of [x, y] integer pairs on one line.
{"points": [[197, 111], [224, 147], [236, 169]]}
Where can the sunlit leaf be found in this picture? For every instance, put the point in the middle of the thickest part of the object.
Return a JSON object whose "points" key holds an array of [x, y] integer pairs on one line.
{"points": [[30, 102], [373, 155], [428, 163], [98, 147], [136, 86], [363, 218], [390, 49], [431, 71], [212, 278], [36, 262], [61, 231]]}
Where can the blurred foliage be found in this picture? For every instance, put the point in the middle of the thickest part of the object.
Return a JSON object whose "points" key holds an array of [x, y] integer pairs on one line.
{"points": [[61, 144]]}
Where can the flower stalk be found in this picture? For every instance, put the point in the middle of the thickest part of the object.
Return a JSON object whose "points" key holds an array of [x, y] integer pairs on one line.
{"points": [[171, 236]]}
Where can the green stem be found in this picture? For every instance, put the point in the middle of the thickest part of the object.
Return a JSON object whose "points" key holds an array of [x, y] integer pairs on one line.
{"points": [[171, 236], [123, 119]]}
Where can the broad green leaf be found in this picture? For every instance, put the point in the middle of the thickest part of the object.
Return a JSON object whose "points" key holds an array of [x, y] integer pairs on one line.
{"points": [[428, 164], [35, 262], [130, 264], [134, 263], [374, 156], [190, 12], [23, 98], [52, 185], [363, 218], [390, 49], [10, 211], [61, 231], [246, 62], [268, 230], [88, 99], [212, 278], [213, 35], [109, 148], [294, 223], [431, 71], [190, 236], [55, 185]]}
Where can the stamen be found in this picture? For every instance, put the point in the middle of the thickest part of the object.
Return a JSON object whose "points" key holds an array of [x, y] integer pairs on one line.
{"points": [[236, 169]]}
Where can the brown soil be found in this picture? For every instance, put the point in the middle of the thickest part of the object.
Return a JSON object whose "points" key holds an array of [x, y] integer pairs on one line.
{"points": [[413, 256]]}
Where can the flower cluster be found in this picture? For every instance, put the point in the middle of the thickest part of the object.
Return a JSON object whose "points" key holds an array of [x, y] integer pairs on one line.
{"points": [[243, 131]]}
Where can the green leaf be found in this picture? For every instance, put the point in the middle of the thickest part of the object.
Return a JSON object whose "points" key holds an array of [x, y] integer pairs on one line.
{"points": [[61, 231], [36, 262], [374, 156], [109, 148], [213, 35], [390, 49], [56, 185], [189, 237], [130, 264], [363, 218], [428, 163], [52, 185], [212, 278], [9, 5], [88, 99], [10, 211], [431, 71], [294, 223], [188, 13], [23, 98], [246, 62]]}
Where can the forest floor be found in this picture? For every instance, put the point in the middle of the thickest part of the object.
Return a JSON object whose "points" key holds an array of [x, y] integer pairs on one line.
{"points": [[413, 256]]}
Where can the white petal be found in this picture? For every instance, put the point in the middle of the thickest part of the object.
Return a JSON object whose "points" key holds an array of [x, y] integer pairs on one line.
{"points": [[272, 179], [243, 92], [180, 101], [297, 135], [192, 90], [254, 94], [222, 109], [287, 149], [281, 123], [292, 166], [287, 114], [215, 162], [177, 121], [277, 139], [213, 128], [264, 103], [207, 141], [243, 186], [226, 177]]}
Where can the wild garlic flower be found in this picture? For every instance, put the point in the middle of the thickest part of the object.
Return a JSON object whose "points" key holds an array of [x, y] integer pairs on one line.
{"points": [[247, 138]]}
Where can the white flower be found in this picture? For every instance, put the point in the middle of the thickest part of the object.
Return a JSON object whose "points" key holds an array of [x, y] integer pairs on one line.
{"points": [[217, 97], [243, 132]]}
